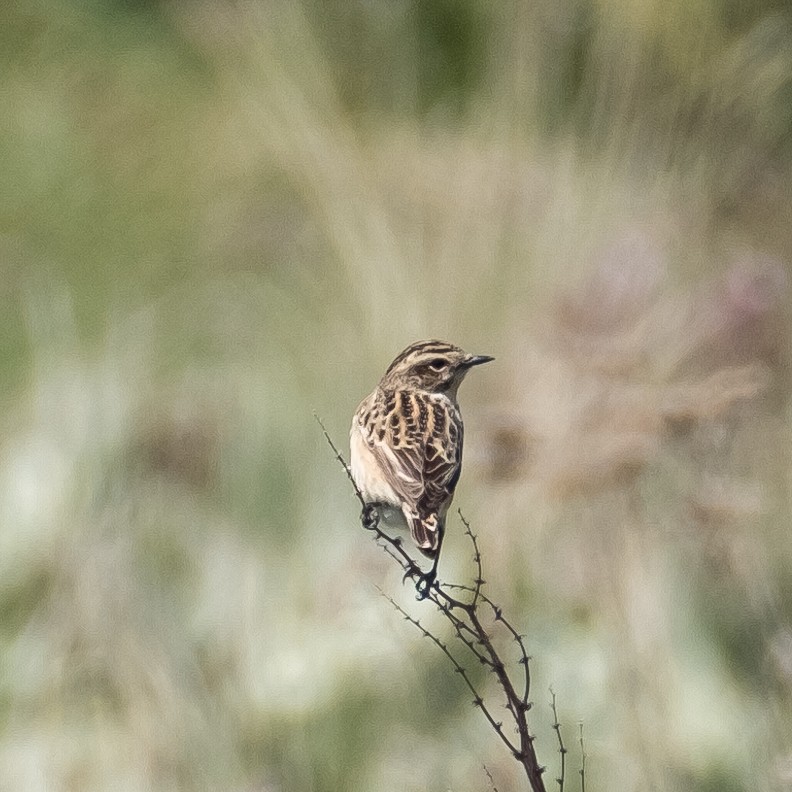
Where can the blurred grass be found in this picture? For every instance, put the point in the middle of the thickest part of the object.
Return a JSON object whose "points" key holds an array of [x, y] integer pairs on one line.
{"points": [[218, 218]]}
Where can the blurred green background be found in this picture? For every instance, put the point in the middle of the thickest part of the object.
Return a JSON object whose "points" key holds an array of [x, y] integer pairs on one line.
{"points": [[219, 217]]}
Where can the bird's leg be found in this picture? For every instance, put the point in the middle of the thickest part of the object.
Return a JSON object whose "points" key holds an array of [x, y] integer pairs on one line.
{"points": [[411, 570], [427, 579], [370, 517]]}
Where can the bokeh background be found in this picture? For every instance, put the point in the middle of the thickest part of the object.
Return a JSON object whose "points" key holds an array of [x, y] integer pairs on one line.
{"points": [[217, 218]]}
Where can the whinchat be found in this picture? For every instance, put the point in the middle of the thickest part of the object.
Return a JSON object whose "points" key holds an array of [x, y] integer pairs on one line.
{"points": [[406, 441]]}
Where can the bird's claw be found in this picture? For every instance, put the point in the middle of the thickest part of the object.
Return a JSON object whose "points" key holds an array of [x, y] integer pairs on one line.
{"points": [[411, 571], [369, 517], [424, 584]]}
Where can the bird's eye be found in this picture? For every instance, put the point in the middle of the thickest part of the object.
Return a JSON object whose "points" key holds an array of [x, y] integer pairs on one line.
{"points": [[438, 364]]}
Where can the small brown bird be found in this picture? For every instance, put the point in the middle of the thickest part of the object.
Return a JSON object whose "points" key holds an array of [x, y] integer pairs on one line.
{"points": [[406, 441]]}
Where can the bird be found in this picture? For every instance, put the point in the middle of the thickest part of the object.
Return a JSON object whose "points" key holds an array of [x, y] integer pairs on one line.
{"points": [[406, 443]]}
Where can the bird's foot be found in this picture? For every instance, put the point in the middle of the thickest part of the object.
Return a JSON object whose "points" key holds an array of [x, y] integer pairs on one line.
{"points": [[370, 517], [411, 570], [424, 584]]}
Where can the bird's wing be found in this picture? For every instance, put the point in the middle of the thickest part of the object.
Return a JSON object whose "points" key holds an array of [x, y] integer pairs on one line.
{"points": [[417, 441], [400, 465], [442, 466]]}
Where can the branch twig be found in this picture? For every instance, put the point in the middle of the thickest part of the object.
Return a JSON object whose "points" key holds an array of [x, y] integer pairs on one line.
{"points": [[491, 779], [561, 748], [470, 627]]}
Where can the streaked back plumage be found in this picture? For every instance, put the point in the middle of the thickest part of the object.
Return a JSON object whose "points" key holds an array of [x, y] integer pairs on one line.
{"points": [[407, 435]]}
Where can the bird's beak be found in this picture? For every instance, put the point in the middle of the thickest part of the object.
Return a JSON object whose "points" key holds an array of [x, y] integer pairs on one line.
{"points": [[477, 360]]}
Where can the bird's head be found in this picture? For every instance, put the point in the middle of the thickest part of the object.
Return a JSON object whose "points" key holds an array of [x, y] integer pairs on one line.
{"points": [[433, 366]]}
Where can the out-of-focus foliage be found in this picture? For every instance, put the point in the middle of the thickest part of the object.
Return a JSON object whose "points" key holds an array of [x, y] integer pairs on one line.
{"points": [[219, 217]]}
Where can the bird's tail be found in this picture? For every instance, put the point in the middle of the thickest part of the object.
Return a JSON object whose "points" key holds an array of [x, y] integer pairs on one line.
{"points": [[426, 533]]}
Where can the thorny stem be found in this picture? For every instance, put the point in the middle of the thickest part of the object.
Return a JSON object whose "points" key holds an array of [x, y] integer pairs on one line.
{"points": [[466, 619], [491, 779], [561, 748], [341, 460], [582, 762], [477, 700], [518, 638], [410, 567], [479, 581]]}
